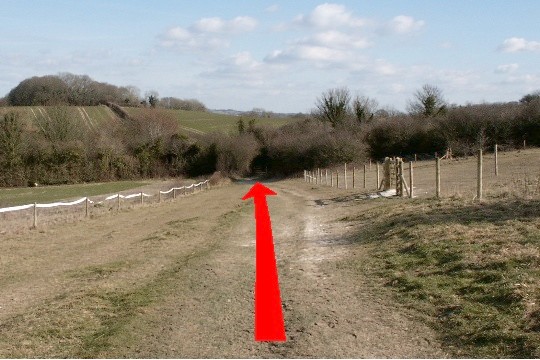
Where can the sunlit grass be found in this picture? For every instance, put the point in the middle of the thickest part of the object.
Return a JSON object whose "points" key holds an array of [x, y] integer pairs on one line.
{"points": [[44, 194]]}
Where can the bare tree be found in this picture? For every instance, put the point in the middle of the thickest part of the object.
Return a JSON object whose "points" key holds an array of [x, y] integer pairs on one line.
{"points": [[526, 99], [131, 95], [428, 102], [82, 90], [364, 108], [153, 98], [333, 106]]}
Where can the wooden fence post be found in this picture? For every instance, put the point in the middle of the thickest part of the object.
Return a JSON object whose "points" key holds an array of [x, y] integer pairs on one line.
{"points": [[118, 203], [479, 176], [34, 225], [387, 174], [345, 176], [353, 171], [400, 180], [377, 185], [174, 193], [331, 179], [411, 182], [364, 176], [496, 161], [369, 164], [142, 198], [159, 198], [437, 178], [86, 207], [337, 179]]}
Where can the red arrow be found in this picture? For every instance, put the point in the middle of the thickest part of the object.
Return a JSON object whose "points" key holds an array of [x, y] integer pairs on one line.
{"points": [[269, 323]]}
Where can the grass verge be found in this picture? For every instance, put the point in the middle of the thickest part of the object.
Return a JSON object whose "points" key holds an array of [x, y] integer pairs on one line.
{"points": [[44, 194], [472, 269]]}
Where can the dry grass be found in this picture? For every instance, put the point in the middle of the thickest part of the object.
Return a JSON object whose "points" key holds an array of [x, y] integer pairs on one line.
{"points": [[70, 289], [20, 222], [519, 176], [473, 269]]}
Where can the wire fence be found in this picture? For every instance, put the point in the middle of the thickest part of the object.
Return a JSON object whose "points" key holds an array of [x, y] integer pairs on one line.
{"points": [[498, 174]]}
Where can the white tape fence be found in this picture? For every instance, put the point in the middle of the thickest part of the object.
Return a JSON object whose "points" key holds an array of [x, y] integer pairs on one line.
{"points": [[185, 190]]}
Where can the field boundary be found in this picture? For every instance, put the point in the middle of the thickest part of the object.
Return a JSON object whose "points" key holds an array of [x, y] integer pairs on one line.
{"points": [[188, 189], [472, 176]]}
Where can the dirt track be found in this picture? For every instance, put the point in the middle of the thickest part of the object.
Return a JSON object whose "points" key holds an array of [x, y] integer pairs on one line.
{"points": [[176, 280]]}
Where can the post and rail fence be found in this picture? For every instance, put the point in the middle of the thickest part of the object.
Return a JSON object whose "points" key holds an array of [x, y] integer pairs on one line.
{"points": [[458, 176]]}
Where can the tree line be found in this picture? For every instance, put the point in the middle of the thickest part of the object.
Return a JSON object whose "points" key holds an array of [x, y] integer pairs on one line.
{"points": [[67, 89], [56, 148]]}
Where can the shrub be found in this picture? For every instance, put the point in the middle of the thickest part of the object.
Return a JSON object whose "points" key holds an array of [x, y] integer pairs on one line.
{"points": [[309, 144]]}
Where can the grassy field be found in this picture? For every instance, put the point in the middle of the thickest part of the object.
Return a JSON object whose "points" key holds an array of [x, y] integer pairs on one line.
{"points": [[207, 122], [45, 194], [91, 116], [191, 122]]}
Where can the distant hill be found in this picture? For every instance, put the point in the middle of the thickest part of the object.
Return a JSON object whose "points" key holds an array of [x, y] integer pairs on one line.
{"points": [[232, 112]]}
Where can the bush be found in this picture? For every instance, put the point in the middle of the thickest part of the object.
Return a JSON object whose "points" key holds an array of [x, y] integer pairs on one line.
{"points": [[404, 136], [310, 144], [463, 129]]}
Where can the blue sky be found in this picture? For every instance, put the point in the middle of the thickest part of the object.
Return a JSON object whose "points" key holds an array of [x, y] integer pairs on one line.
{"points": [[279, 55]]}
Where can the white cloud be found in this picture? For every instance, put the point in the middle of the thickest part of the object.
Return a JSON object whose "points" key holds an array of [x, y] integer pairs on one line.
{"points": [[311, 53], [242, 24], [207, 33], [515, 44], [212, 25], [245, 60], [330, 16], [506, 68], [338, 38], [218, 25], [403, 24], [333, 38], [330, 47]]}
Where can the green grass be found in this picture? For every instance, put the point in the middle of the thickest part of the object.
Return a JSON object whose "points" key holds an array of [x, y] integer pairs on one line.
{"points": [[45, 194], [191, 121], [209, 122], [472, 269]]}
